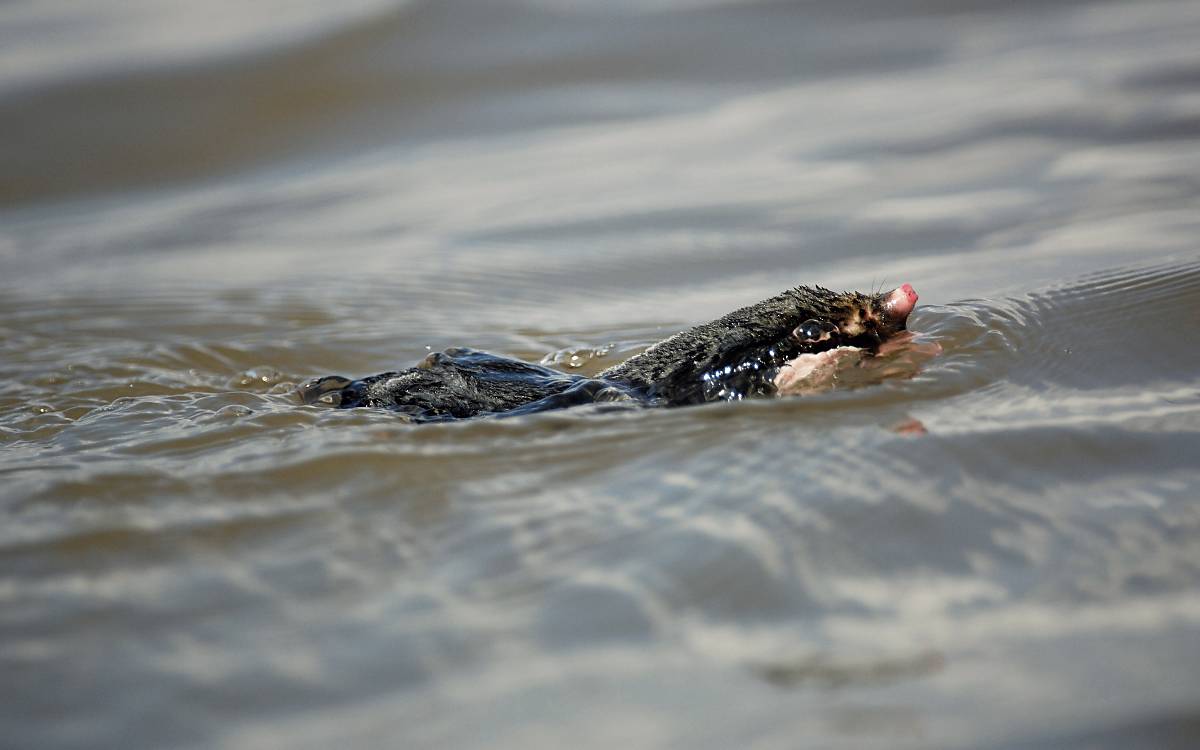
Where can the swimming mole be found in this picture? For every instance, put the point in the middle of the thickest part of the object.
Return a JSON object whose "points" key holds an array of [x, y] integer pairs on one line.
{"points": [[780, 346]]}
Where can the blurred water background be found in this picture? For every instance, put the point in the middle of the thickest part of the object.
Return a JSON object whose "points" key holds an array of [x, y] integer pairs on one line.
{"points": [[204, 204]]}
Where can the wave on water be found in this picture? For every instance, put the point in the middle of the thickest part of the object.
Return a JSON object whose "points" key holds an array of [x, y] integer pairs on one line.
{"points": [[986, 537]]}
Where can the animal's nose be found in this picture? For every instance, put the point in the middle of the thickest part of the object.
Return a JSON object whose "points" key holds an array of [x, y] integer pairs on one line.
{"points": [[899, 302]]}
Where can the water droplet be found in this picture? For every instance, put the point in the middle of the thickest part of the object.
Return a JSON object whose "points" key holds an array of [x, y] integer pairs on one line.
{"points": [[234, 411]]}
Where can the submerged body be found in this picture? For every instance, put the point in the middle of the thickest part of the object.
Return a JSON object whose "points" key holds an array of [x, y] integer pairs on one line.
{"points": [[780, 346]]}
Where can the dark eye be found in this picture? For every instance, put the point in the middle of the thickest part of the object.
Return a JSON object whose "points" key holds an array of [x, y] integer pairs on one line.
{"points": [[814, 330], [809, 330]]}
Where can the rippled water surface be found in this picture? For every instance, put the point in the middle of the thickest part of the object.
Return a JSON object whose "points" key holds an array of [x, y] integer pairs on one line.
{"points": [[999, 547]]}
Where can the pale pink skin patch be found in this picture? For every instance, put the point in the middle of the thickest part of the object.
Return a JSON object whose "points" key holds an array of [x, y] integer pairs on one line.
{"points": [[810, 373]]}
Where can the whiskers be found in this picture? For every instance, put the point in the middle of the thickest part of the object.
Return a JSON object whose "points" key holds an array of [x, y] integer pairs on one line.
{"points": [[877, 291]]}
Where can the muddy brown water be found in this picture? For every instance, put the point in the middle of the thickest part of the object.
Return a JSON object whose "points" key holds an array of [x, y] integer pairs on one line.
{"points": [[200, 210]]}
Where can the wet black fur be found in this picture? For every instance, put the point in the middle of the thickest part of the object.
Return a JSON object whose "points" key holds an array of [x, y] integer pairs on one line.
{"points": [[733, 357], [672, 369]]}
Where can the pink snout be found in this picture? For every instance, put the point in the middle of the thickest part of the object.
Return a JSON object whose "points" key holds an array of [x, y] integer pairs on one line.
{"points": [[900, 302]]}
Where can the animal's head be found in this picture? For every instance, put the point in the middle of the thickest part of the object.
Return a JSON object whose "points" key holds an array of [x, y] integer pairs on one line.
{"points": [[847, 318], [805, 320]]}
